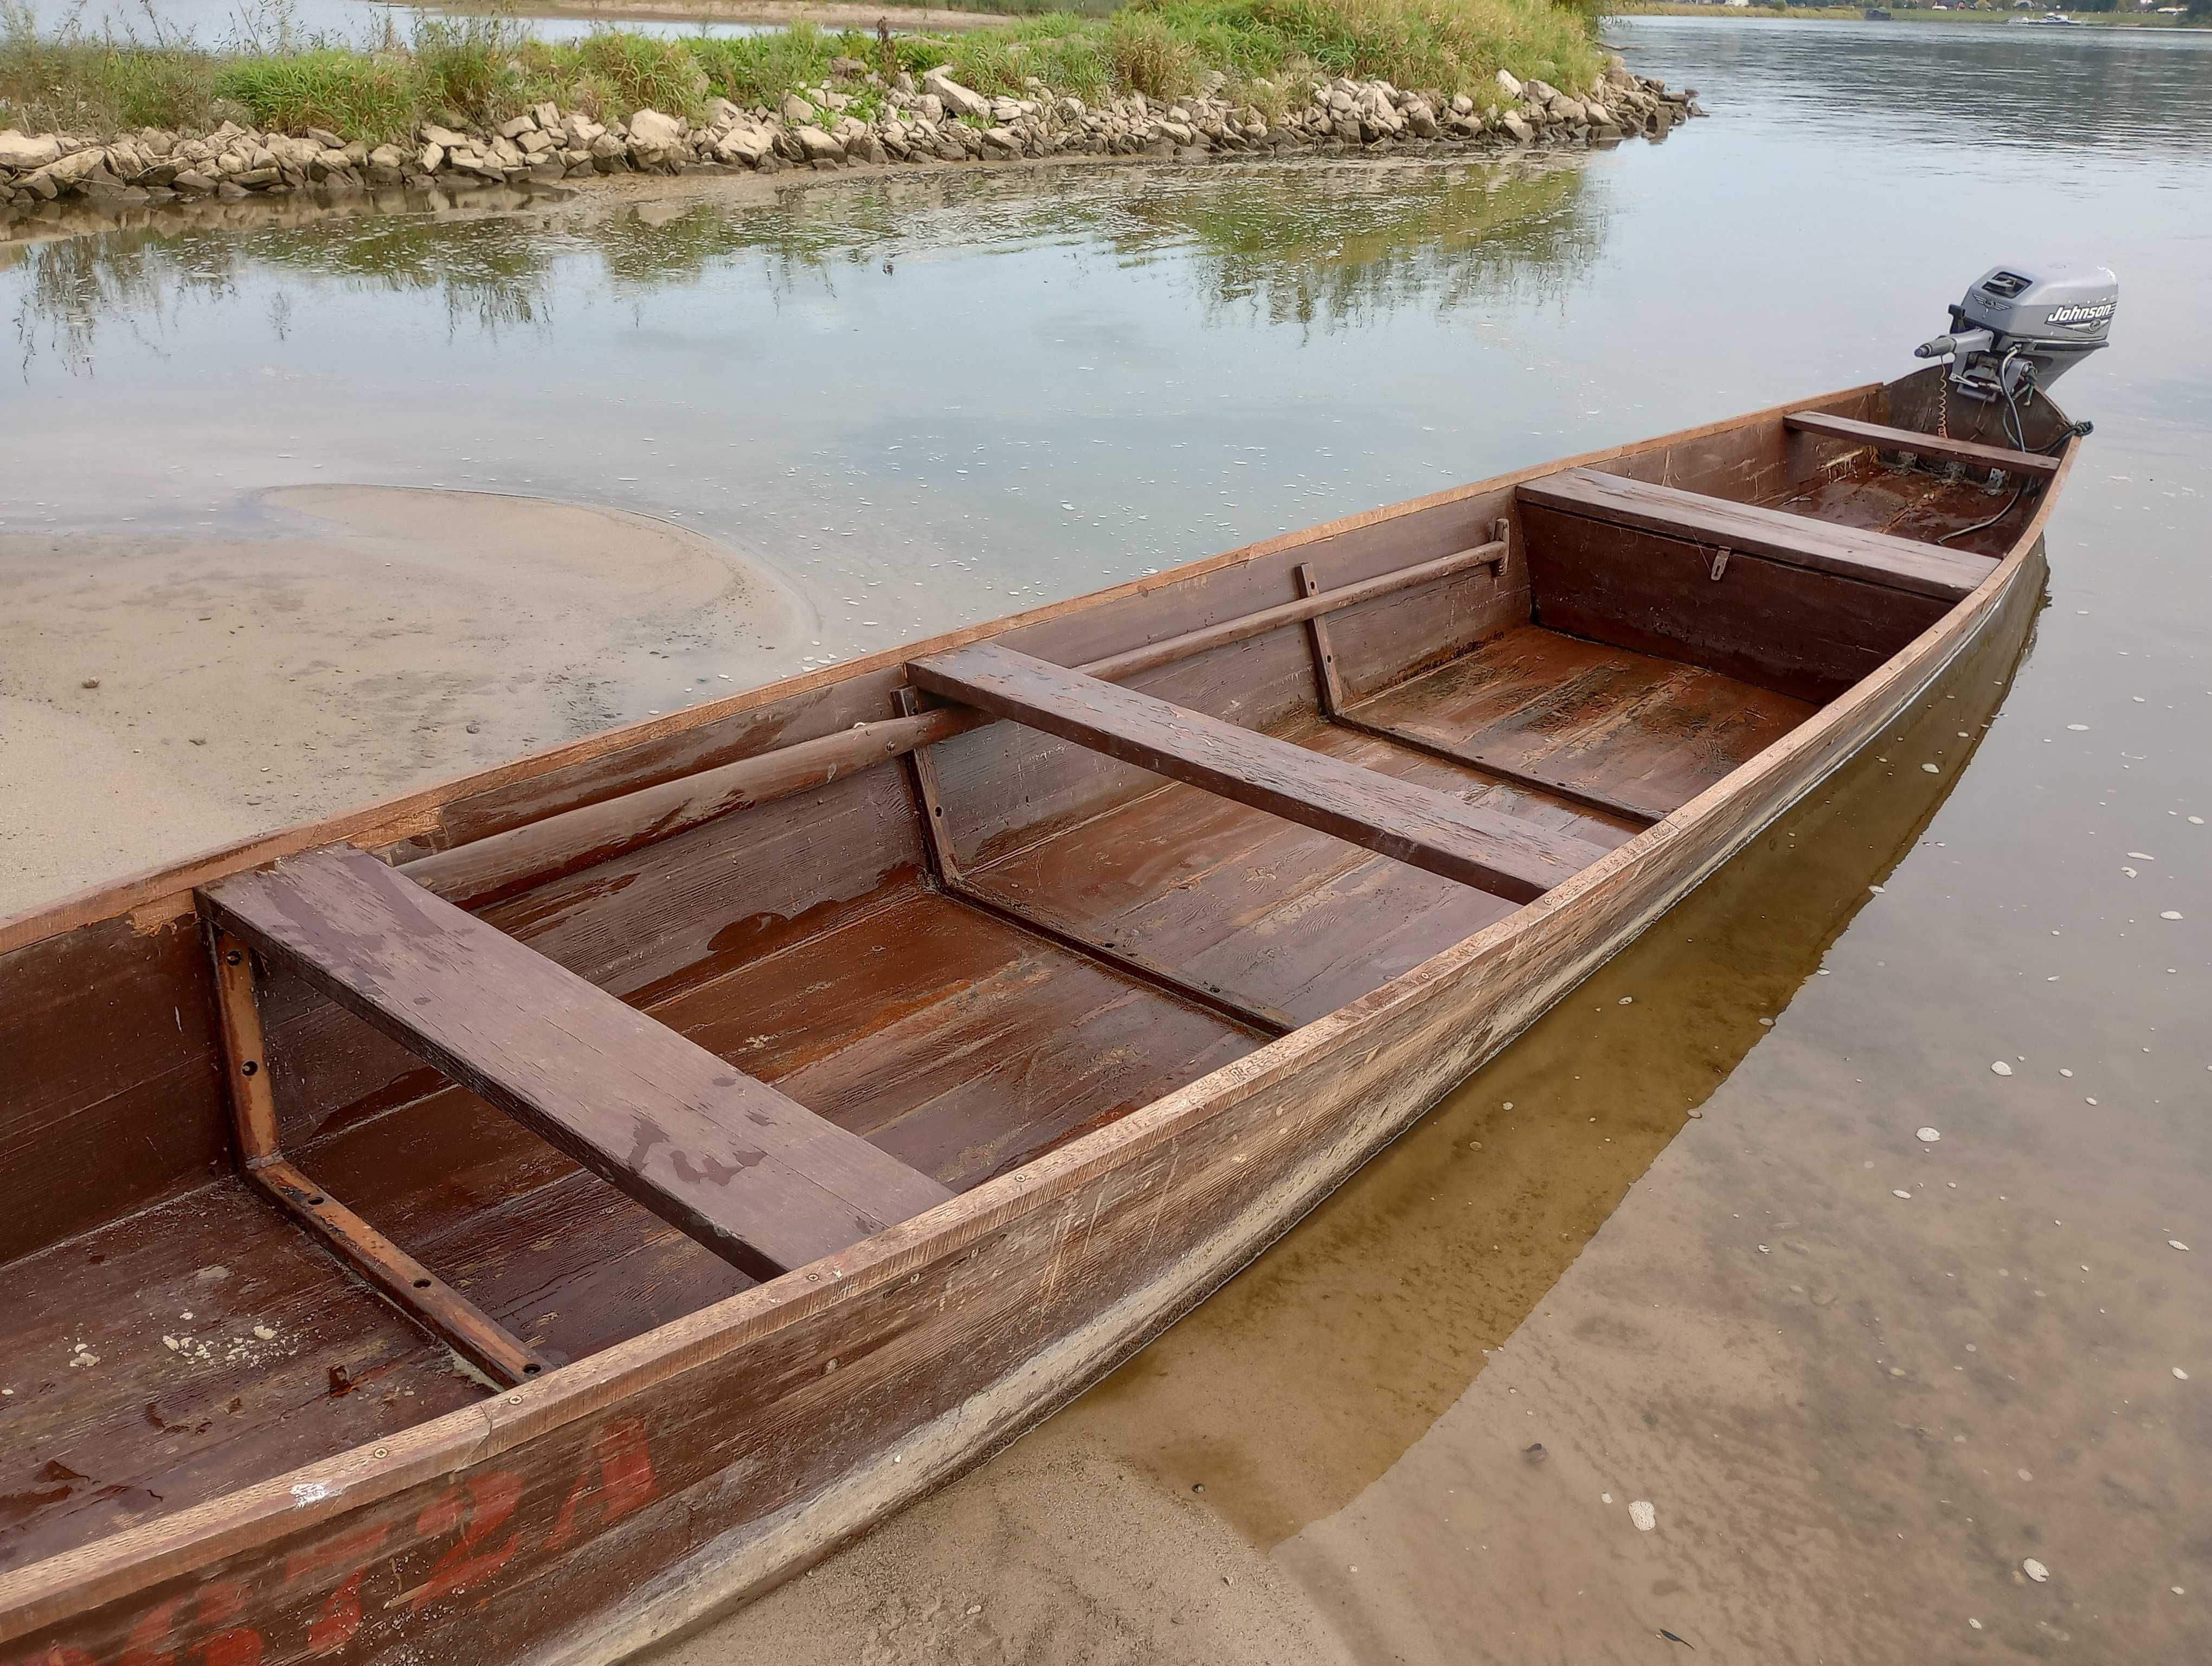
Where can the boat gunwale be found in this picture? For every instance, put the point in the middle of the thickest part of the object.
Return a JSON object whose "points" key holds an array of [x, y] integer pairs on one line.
{"points": [[78, 1581], [158, 894]]}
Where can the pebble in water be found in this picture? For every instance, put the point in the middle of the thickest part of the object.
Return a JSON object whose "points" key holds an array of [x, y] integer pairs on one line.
{"points": [[2035, 1570], [1899, 1191], [1931, 768], [1643, 1515], [2179, 1374], [1926, 1136], [2175, 1243], [2002, 1067], [2171, 913]]}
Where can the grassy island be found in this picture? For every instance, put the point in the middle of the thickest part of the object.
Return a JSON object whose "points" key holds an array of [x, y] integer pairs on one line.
{"points": [[483, 70]]}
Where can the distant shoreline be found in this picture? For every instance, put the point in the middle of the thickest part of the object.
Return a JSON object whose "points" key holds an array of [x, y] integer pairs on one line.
{"points": [[1897, 15]]}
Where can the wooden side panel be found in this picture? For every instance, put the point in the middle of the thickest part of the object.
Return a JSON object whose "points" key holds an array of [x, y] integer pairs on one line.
{"points": [[110, 1090], [1807, 635]]}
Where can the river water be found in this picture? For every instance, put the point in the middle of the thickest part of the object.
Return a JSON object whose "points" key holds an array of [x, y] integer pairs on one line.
{"points": [[1660, 1240]]}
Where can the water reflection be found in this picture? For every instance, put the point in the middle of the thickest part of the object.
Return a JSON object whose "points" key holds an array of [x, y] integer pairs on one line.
{"points": [[1314, 246]]}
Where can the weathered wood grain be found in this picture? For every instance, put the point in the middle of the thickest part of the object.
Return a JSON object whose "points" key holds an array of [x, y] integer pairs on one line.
{"points": [[1628, 732], [757, 1177], [1924, 445], [413, 1288], [1428, 830], [1862, 553], [1809, 636]]}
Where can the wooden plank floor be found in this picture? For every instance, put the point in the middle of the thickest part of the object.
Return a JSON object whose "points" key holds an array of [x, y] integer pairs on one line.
{"points": [[1645, 732], [108, 1425], [1909, 503], [1273, 913]]}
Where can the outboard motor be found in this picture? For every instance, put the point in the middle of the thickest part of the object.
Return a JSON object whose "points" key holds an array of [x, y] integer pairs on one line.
{"points": [[2022, 327]]}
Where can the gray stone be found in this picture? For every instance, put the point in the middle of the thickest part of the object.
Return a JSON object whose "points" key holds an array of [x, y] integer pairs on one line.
{"points": [[518, 127], [798, 113], [1513, 123], [744, 144], [443, 137], [651, 128], [1510, 83], [817, 146], [952, 95]]}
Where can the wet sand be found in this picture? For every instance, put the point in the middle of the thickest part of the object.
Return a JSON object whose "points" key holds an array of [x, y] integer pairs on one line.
{"points": [[331, 645]]}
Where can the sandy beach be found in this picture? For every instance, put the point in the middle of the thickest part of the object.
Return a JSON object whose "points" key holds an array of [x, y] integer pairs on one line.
{"points": [[332, 645]]}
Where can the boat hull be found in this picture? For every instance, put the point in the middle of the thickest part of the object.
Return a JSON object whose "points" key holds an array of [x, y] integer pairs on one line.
{"points": [[692, 1467]]}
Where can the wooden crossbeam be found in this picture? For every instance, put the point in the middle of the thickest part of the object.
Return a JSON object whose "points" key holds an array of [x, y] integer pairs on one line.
{"points": [[751, 1173], [1971, 452], [1897, 563], [1416, 824]]}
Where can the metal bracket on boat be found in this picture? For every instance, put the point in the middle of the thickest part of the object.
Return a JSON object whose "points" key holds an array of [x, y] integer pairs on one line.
{"points": [[1720, 563]]}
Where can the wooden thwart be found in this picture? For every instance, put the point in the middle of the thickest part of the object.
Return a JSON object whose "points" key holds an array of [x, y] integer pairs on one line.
{"points": [[1897, 563], [945, 867], [751, 1173], [1924, 445], [1416, 824]]}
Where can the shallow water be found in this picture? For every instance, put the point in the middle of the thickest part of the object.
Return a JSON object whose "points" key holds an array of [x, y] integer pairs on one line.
{"points": [[916, 402]]}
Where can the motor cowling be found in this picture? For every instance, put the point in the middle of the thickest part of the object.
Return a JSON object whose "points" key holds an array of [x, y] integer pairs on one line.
{"points": [[2021, 327]]}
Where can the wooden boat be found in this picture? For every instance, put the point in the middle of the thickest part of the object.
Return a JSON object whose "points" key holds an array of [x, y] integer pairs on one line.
{"points": [[512, 1220]]}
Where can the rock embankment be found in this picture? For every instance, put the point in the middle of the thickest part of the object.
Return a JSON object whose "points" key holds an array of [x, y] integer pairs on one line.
{"points": [[856, 120]]}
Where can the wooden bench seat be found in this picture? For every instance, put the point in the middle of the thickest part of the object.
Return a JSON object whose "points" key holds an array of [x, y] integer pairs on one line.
{"points": [[1971, 452], [1897, 563], [1417, 824], [754, 1175]]}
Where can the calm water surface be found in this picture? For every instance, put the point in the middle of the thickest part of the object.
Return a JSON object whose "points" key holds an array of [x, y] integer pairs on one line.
{"points": [[1660, 1240]]}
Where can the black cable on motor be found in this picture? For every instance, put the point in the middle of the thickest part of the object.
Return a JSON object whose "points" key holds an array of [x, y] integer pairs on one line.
{"points": [[2016, 431]]}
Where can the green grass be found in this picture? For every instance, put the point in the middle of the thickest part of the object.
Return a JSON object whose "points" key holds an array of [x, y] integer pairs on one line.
{"points": [[366, 95], [483, 69]]}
